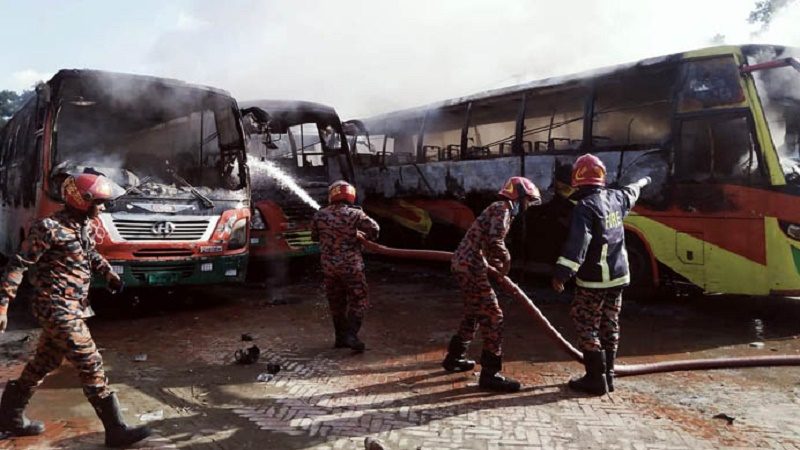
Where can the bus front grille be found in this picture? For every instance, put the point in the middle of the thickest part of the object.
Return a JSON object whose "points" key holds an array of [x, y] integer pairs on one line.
{"points": [[161, 230]]}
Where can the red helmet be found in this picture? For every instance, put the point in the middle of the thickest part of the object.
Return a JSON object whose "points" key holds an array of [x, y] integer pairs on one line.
{"points": [[341, 191], [519, 186], [79, 192], [588, 170]]}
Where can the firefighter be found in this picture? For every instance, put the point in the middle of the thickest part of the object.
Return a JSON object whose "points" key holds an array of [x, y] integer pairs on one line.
{"points": [[59, 255], [484, 246], [594, 253], [337, 227]]}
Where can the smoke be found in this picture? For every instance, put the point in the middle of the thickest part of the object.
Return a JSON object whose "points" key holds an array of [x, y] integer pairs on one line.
{"points": [[371, 57]]}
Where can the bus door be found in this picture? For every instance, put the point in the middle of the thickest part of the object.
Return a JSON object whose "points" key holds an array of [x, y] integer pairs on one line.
{"points": [[719, 240]]}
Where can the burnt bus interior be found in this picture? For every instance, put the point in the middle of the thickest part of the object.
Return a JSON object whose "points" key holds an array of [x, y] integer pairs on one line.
{"points": [[155, 138], [678, 121], [304, 140]]}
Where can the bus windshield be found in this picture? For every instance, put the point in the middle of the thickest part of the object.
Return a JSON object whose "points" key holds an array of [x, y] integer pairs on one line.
{"points": [[779, 90], [159, 140]]}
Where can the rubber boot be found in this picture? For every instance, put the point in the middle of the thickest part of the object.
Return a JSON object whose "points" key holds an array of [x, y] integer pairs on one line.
{"points": [[351, 335], [490, 379], [12, 412], [611, 355], [594, 382], [456, 359], [118, 434], [340, 328]]}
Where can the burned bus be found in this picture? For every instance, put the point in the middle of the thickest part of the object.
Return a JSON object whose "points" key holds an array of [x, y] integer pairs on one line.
{"points": [[176, 153], [717, 130], [295, 148]]}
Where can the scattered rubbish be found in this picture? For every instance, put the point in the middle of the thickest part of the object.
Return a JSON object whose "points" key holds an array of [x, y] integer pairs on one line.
{"points": [[247, 337], [273, 368], [264, 377], [374, 444], [152, 415], [141, 357], [757, 344], [726, 417], [25, 338], [248, 355]]}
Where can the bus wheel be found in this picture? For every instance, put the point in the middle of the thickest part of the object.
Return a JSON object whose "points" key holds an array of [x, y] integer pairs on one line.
{"points": [[643, 286]]}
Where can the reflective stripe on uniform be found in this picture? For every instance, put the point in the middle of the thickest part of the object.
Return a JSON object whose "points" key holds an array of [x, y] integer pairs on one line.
{"points": [[603, 284], [604, 263], [569, 264]]}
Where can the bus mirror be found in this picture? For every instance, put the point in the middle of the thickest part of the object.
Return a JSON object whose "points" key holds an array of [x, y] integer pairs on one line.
{"points": [[43, 94]]}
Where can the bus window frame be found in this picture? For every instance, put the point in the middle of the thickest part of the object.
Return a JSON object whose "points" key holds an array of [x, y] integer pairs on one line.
{"points": [[727, 114]]}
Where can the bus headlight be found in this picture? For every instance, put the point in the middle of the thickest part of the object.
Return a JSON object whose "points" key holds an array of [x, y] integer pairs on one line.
{"points": [[238, 235], [790, 229], [258, 222]]}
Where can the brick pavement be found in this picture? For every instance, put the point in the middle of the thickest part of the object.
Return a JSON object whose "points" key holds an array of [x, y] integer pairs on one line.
{"points": [[330, 399]]}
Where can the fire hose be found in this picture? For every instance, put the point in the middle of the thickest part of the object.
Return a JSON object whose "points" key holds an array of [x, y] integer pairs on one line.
{"points": [[621, 369]]}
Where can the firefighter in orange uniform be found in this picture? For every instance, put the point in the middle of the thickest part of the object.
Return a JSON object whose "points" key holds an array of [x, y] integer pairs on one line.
{"points": [[336, 227], [59, 255], [484, 246]]}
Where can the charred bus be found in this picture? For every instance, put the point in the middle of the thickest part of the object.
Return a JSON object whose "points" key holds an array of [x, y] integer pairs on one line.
{"points": [[716, 129], [176, 152], [295, 148]]}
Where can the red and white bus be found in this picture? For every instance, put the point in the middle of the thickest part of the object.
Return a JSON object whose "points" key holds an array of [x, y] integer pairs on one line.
{"points": [[177, 151]]}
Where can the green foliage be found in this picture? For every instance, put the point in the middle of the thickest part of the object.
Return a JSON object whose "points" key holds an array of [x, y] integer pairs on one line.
{"points": [[765, 11], [10, 102]]}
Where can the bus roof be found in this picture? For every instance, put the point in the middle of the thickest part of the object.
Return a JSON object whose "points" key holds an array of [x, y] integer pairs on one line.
{"points": [[293, 111], [572, 79], [102, 75]]}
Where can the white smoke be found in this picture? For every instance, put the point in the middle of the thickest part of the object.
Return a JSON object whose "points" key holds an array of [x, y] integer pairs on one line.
{"points": [[367, 57]]}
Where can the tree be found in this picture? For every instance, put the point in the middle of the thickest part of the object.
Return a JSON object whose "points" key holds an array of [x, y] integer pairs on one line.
{"points": [[765, 11], [10, 102]]}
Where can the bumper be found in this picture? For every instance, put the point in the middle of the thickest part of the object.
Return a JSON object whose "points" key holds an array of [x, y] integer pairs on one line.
{"points": [[264, 249], [216, 270]]}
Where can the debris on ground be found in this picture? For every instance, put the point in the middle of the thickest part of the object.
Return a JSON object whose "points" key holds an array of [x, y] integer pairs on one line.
{"points": [[264, 377], [273, 368], [757, 344], [247, 337], [140, 357], [726, 417], [248, 355], [374, 444], [152, 416]]}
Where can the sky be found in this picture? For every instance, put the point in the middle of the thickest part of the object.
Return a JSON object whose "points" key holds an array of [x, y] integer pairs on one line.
{"points": [[363, 57]]}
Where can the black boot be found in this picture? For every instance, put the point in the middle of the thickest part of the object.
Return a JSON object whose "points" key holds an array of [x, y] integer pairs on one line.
{"points": [[594, 382], [340, 327], [490, 379], [351, 334], [12, 412], [611, 355], [456, 359], [118, 434]]}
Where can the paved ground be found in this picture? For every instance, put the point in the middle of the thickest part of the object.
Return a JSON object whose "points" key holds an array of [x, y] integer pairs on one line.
{"points": [[194, 397]]}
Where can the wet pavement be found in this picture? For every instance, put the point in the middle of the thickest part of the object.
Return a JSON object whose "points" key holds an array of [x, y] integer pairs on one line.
{"points": [[194, 395]]}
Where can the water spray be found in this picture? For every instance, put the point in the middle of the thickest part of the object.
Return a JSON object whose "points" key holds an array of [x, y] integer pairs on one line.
{"points": [[284, 180]]}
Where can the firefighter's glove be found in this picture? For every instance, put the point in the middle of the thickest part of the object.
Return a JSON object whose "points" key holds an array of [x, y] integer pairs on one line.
{"points": [[115, 284], [3, 322], [642, 182], [557, 284]]}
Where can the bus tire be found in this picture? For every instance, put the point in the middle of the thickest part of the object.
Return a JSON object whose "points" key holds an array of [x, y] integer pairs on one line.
{"points": [[643, 286]]}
